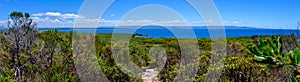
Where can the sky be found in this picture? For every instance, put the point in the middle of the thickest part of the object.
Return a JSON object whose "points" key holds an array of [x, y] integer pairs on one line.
{"points": [[252, 13]]}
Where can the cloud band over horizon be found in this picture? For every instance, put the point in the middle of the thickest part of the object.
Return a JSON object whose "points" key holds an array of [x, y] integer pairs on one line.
{"points": [[57, 19]]}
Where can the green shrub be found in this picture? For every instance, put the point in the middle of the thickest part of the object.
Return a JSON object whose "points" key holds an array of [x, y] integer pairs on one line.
{"points": [[269, 51]]}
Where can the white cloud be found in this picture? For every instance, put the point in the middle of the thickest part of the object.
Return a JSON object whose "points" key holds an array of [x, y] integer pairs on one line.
{"points": [[56, 22], [53, 14], [58, 14], [2, 22], [69, 16], [167, 23], [15, 1], [57, 19], [51, 22], [38, 14]]}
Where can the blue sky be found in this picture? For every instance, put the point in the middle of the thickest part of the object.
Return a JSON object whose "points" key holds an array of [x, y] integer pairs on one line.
{"points": [[254, 13]]}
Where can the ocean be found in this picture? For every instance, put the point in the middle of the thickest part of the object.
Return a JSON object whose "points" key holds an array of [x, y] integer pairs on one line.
{"points": [[182, 32]]}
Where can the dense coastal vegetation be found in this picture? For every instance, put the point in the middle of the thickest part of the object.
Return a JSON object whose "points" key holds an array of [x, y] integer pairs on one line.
{"points": [[29, 55]]}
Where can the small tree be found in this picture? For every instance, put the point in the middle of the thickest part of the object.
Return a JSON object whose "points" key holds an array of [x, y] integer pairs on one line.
{"points": [[21, 39], [35, 56], [51, 43]]}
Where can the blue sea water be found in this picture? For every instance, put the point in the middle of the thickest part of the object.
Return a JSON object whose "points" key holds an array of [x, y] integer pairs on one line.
{"points": [[182, 32]]}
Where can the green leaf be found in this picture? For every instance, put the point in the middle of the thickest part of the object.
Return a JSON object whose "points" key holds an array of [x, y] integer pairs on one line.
{"points": [[259, 58], [284, 60], [261, 42], [297, 56], [294, 79], [296, 51], [271, 65], [290, 55]]}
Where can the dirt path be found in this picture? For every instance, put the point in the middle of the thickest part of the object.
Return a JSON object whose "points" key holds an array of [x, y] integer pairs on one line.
{"points": [[150, 75]]}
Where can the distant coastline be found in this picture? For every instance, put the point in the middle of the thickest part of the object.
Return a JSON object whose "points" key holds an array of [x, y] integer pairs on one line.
{"points": [[162, 32], [200, 31]]}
